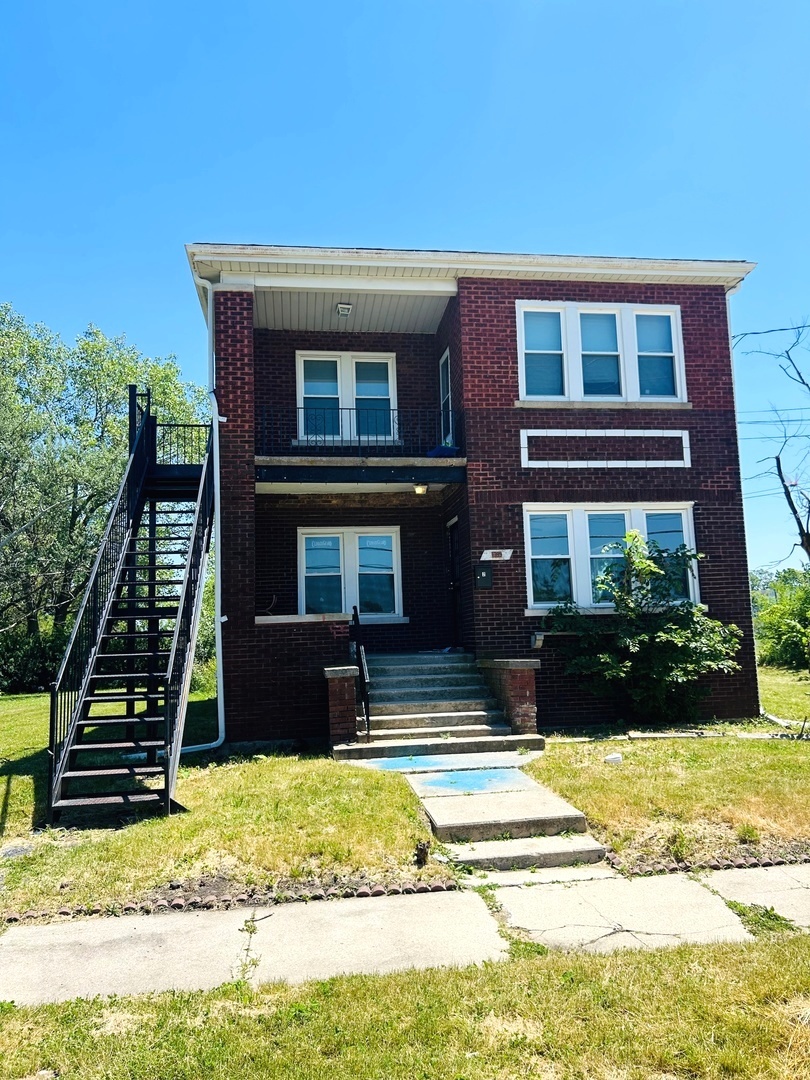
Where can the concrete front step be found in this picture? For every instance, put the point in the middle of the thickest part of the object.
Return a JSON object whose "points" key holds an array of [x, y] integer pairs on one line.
{"points": [[438, 719], [501, 816], [447, 733], [408, 660], [465, 692], [417, 679], [392, 671], [396, 708], [521, 854], [424, 747]]}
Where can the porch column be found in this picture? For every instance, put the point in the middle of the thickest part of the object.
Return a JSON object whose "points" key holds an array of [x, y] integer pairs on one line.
{"points": [[342, 703], [513, 684]]}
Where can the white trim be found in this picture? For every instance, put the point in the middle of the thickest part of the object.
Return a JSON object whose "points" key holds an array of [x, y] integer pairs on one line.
{"points": [[576, 515], [323, 283], [387, 262], [573, 389], [349, 567], [270, 620], [586, 433]]}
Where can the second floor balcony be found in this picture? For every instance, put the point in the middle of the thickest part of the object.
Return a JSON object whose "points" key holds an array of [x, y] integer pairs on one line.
{"points": [[309, 431]]}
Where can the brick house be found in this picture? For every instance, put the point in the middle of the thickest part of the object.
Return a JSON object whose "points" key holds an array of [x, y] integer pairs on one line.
{"points": [[448, 441]]}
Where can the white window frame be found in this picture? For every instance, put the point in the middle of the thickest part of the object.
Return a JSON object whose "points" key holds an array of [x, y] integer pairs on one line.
{"points": [[628, 350], [350, 568], [347, 391], [446, 439], [576, 515]]}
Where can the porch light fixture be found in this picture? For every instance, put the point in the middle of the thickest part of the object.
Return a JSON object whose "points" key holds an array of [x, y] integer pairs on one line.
{"points": [[343, 310], [420, 489]]}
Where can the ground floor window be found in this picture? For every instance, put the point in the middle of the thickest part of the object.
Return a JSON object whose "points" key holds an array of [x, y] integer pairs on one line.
{"points": [[339, 569], [568, 547]]}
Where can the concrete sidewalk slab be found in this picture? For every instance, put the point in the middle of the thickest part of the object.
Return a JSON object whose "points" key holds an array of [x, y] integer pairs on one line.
{"points": [[542, 876], [784, 888], [469, 782], [516, 813], [604, 915], [199, 951]]}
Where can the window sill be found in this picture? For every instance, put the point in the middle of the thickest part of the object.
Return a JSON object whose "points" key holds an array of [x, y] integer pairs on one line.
{"points": [[337, 616], [544, 611], [605, 404]]}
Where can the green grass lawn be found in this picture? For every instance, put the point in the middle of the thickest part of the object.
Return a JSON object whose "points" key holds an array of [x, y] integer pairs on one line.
{"points": [[253, 820], [695, 1011], [785, 693]]}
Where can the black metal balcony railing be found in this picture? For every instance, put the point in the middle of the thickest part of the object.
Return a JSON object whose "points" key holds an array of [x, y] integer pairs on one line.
{"points": [[358, 432], [181, 444]]}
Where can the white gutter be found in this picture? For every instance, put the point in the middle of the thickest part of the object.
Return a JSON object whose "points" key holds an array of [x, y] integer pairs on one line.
{"points": [[215, 421]]}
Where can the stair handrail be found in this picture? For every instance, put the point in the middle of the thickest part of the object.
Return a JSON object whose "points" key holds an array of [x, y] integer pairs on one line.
{"points": [[181, 657], [69, 687], [362, 666]]}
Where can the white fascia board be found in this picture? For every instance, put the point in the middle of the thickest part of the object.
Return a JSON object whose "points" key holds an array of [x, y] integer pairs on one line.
{"points": [[339, 283], [454, 264]]}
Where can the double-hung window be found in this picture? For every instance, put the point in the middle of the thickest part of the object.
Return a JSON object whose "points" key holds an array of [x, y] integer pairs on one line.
{"points": [[339, 569], [445, 399], [596, 352], [346, 396], [570, 548]]}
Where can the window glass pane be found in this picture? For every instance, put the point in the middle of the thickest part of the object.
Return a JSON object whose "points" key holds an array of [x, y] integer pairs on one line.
{"points": [[654, 333], [599, 333], [614, 568], [322, 554], [666, 530], [373, 416], [376, 594], [322, 594], [600, 376], [544, 374], [605, 529], [542, 331], [656, 376], [376, 553], [321, 377], [321, 416], [551, 580], [371, 378], [549, 534], [444, 379]]}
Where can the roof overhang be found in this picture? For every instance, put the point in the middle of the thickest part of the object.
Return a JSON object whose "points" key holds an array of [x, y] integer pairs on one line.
{"points": [[407, 291]]}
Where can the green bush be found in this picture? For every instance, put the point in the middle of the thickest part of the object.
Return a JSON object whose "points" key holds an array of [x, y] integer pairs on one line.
{"points": [[650, 654], [782, 618], [30, 660]]}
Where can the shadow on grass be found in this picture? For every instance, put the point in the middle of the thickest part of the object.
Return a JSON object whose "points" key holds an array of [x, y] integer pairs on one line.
{"points": [[32, 765]]}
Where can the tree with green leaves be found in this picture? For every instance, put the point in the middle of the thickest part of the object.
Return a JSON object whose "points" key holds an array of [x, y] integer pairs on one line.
{"points": [[651, 653], [63, 448]]}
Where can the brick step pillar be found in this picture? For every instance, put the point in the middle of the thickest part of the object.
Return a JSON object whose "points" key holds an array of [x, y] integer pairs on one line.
{"points": [[342, 703], [512, 682]]}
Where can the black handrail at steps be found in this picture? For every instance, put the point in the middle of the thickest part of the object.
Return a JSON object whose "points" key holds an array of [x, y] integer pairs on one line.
{"points": [[70, 686], [178, 672], [362, 677]]}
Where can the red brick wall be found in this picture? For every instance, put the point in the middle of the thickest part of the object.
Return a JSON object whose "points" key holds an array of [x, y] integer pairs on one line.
{"points": [[498, 485]]}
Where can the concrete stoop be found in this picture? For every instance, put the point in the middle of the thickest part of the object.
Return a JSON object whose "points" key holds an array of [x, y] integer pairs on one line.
{"points": [[431, 703]]}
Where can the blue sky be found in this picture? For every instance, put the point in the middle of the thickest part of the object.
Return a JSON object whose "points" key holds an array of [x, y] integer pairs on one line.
{"points": [[671, 128]]}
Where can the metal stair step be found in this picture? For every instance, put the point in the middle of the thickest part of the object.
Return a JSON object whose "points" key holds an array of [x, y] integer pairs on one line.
{"points": [[118, 798], [96, 699], [132, 656], [118, 770], [109, 721], [142, 583], [128, 744]]}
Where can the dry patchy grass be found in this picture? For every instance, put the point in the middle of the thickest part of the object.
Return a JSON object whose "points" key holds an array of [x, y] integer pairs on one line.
{"points": [[254, 820], [708, 1011]]}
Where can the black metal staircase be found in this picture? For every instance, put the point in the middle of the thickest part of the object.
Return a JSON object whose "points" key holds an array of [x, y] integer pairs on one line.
{"points": [[118, 703]]}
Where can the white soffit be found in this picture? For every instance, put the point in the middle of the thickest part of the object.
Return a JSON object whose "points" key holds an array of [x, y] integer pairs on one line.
{"points": [[388, 313], [283, 488]]}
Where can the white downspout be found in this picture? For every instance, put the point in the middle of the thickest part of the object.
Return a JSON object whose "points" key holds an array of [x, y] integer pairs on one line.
{"points": [[218, 620]]}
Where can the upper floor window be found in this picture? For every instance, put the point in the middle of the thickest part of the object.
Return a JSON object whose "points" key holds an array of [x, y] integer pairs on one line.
{"points": [[599, 352], [346, 395]]}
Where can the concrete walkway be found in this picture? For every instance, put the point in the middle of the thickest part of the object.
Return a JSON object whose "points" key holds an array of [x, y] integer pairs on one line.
{"points": [[591, 908]]}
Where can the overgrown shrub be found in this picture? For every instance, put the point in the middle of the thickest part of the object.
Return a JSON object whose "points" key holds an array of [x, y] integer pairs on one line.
{"points": [[782, 617], [30, 657], [650, 654]]}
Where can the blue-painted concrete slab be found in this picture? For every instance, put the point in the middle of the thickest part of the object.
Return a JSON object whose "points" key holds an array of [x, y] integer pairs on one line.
{"points": [[503, 759], [470, 782]]}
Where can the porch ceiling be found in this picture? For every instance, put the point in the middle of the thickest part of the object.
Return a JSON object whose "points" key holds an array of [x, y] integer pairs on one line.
{"points": [[372, 311]]}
